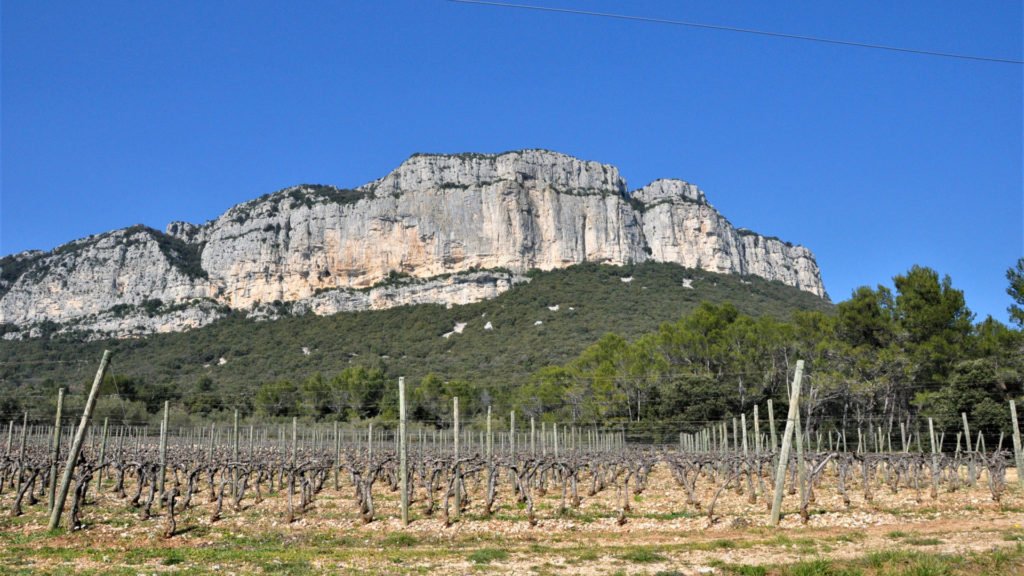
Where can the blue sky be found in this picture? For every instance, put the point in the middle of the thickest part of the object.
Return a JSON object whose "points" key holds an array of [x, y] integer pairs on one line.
{"points": [[116, 113]]}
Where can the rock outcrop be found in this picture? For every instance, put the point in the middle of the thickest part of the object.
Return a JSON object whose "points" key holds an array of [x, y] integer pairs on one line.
{"points": [[324, 249]]}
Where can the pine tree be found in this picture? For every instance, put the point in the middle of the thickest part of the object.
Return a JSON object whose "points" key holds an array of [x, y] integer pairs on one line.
{"points": [[1015, 276]]}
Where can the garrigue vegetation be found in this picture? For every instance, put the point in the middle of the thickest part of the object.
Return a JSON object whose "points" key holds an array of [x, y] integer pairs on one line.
{"points": [[369, 347]]}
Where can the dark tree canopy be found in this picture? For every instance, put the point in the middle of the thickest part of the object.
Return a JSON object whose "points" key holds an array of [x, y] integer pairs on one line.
{"points": [[1015, 276]]}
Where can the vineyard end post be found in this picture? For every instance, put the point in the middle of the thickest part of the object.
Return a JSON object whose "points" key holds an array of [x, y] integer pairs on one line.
{"points": [[76, 446], [787, 440]]}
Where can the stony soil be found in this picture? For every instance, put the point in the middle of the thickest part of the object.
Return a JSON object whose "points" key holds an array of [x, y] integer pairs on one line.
{"points": [[661, 534]]}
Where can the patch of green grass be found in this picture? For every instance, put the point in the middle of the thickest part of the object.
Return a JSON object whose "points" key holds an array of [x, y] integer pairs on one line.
{"points": [[914, 563], [804, 545], [15, 538], [581, 516], [820, 567], [1013, 536], [173, 557], [746, 570], [719, 544], [329, 540], [399, 540], [487, 555], [287, 567], [884, 558], [1001, 561], [667, 515], [537, 548], [928, 566], [896, 534], [545, 569], [923, 541], [641, 556]]}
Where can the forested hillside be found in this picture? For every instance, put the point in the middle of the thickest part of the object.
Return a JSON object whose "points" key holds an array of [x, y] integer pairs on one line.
{"points": [[888, 356], [656, 347], [223, 366]]}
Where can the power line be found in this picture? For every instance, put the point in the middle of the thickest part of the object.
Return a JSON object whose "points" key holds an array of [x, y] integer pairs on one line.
{"points": [[689, 24]]}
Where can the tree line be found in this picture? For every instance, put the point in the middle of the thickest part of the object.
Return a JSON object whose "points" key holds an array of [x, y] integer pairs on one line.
{"points": [[887, 355]]}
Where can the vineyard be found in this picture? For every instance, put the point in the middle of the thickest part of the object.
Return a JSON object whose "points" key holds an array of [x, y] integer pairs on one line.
{"points": [[751, 472]]}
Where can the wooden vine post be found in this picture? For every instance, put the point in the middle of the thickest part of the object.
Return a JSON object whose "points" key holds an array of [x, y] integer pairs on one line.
{"points": [[1018, 455], [337, 446], [533, 439], [163, 450], [971, 472], [787, 440], [291, 469], [51, 490], [21, 449], [209, 450], [935, 459], [743, 422], [490, 437], [455, 437], [76, 445], [757, 431], [403, 453], [103, 457], [798, 432], [234, 453]]}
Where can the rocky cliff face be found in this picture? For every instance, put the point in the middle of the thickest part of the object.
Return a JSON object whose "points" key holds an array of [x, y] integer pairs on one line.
{"points": [[327, 250]]}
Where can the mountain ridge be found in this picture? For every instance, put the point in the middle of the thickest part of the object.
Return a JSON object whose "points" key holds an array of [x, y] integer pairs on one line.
{"points": [[432, 216]]}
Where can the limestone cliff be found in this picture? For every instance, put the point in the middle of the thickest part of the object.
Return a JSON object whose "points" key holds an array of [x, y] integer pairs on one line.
{"points": [[322, 248]]}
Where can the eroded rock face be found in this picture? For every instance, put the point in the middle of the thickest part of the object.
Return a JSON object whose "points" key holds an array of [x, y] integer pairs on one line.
{"points": [[123, 268], [453, 290], [320, 247]]}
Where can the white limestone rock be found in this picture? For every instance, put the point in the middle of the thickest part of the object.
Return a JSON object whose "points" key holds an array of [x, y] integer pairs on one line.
{"points": [[414, 236]]}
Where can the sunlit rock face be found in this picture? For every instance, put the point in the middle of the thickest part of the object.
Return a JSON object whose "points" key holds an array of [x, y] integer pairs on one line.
{"points": [[323, 248]]}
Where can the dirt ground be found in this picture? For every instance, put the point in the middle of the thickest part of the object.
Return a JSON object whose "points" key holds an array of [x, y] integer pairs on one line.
{"points": [[661, 535]]}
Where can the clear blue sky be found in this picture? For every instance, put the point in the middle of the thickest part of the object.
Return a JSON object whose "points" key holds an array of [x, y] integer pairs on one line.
{"points": [[116, 113]]}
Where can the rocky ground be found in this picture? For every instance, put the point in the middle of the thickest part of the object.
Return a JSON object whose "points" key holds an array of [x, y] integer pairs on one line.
{"points": [[962, 532]]}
